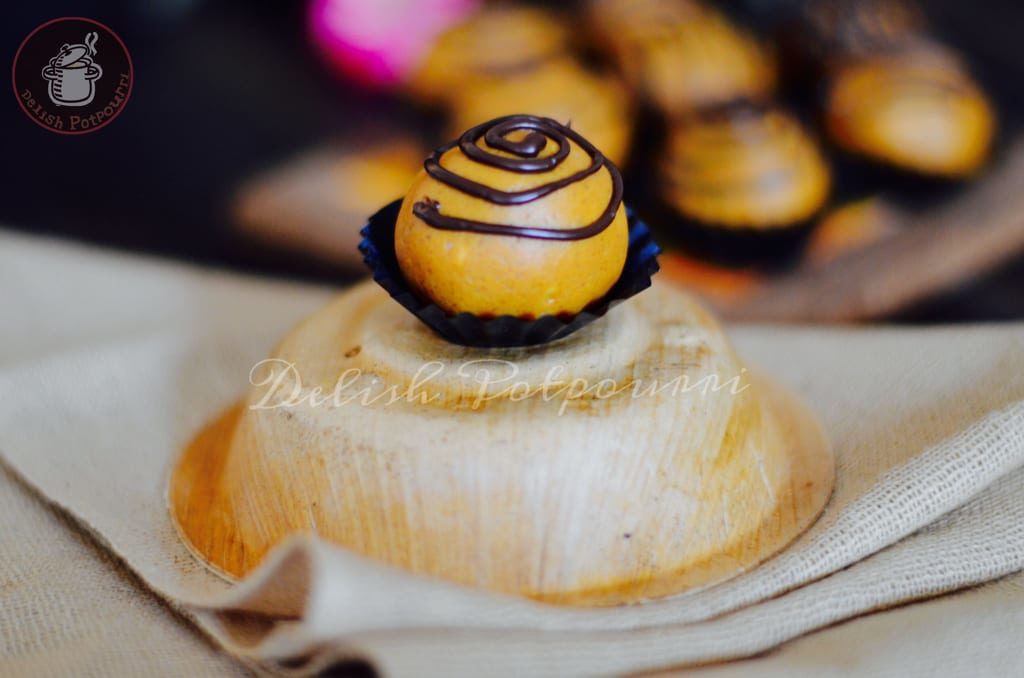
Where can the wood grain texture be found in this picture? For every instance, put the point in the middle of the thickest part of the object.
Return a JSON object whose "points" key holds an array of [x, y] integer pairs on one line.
{"points": [[636, 491]]}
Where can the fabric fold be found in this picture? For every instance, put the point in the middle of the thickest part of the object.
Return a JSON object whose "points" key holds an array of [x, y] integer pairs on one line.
{"points": [[928, 427]]}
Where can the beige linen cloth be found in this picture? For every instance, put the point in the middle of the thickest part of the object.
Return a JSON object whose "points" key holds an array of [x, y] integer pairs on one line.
{"points": [[109, 363]]}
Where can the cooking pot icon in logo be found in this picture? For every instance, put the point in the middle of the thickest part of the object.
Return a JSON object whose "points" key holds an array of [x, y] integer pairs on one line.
{"points": [[72, 74]]}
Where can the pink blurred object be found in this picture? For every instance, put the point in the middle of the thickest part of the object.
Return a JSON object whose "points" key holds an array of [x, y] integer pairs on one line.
{"points": [[380, 42]]}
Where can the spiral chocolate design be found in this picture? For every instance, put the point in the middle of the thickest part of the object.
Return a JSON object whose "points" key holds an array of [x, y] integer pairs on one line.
{"points": [[524, 157]]}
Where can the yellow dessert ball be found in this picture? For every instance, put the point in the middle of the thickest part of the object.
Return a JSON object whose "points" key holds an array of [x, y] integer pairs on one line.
{"points": [[521, 217]]}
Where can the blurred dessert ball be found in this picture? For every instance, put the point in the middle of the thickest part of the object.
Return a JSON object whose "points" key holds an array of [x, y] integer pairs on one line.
{"points": [[681, 55], [594, 104], [894, 94], [742, 182], [495, 43], [919, 111]]}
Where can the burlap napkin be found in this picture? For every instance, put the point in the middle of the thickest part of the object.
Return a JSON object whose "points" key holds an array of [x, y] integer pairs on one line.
{"points": [[109, 364]]}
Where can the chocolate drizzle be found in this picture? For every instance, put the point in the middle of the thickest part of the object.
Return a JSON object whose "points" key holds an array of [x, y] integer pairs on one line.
{"points": [[525, 158]]}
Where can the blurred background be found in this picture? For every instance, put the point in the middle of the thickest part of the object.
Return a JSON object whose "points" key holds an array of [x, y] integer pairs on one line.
{"points": [[260, 134]]}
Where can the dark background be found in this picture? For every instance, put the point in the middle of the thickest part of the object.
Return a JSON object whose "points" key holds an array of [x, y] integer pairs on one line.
{"points": [[225, 89]]}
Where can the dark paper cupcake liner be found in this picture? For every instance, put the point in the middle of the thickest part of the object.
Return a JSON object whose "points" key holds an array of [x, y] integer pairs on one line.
{"points": [[770, 249], [466, 329]]}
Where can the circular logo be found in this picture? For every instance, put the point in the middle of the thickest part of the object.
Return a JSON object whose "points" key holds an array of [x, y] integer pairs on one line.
{"points": [[72, 75]]}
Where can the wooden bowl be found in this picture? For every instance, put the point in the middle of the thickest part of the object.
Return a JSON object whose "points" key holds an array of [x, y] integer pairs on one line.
{"points": [[636, 458]]}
